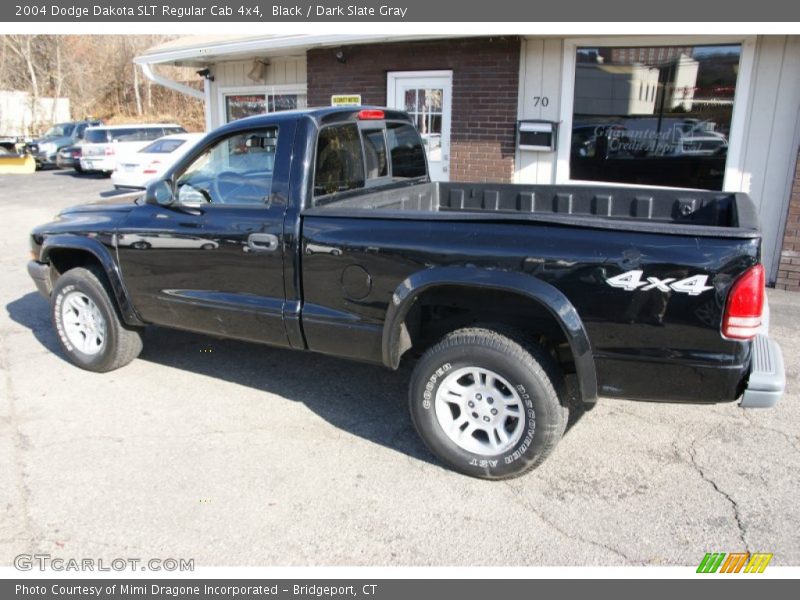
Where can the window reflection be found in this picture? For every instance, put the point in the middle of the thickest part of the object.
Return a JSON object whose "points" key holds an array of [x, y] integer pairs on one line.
{"points": [[655, 115], [239, 106], [424, 105]]}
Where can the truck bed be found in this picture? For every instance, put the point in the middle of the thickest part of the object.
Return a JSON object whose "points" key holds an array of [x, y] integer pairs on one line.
{"points": [[670, 211]]}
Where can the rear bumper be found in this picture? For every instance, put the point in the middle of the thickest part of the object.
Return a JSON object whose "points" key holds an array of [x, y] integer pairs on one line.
{"points": [[40, 273], [98, 163], [128, 180], [767, 377]]}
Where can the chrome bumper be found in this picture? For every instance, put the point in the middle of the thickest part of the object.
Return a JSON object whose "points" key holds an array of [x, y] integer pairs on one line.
{"points": [[40, 273], [767, 377]]}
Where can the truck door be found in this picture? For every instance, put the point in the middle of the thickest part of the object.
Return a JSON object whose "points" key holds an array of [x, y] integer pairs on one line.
{"points": [[212, 261]]}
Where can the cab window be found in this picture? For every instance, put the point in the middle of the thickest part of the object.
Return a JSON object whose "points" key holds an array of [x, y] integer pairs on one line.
{"points": [[405, 151], [340, 162], [236, 170]]}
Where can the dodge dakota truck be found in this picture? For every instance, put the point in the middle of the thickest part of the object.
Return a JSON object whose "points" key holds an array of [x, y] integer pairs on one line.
{"points": [[319, 230]]}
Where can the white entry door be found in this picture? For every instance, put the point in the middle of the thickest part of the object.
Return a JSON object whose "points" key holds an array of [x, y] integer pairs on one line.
{"points": [[427, 97]]}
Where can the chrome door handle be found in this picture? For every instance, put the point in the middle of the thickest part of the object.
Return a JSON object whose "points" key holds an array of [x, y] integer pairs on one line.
{"points": [[262, 242]]}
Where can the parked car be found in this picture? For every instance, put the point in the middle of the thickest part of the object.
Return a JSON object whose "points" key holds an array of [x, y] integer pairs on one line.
{"points": [[331, 238], [136, 169], [45, 148], [104, 146], [69, 157]]}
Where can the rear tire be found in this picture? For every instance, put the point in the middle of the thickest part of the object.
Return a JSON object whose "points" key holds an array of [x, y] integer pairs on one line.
{"points": [[89, 328], [488, 402]]}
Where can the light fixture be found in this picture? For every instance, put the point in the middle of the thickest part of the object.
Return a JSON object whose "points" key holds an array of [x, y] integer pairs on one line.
{"points": [[205, 73], [339, 55], [258, 72]]}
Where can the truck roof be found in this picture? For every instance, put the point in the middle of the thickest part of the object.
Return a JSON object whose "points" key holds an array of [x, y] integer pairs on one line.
{"points": [[321, 115]]}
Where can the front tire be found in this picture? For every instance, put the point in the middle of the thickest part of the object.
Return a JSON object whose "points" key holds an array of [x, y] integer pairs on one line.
{"points": [[488, 402], [89, 328]]}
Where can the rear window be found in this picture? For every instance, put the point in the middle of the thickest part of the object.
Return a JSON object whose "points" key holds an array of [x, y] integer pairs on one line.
{"points": [[96, 136], [406, 151], [340, 164], [137, 134], [173, 130], [349, 159], [163, 146], [375, 153]]}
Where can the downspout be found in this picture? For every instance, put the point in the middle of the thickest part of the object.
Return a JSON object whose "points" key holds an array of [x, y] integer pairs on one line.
{"points": [[207, 105], [147, 69], [205, 95]]}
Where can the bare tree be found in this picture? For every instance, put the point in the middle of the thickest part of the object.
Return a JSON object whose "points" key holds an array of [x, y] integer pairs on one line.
{"points": [[23, 47], [98, 76]]}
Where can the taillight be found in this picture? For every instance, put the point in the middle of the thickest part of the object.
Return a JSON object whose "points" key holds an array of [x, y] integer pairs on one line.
{"points": [[109, 150], [151, 168], [745, 304], [369, 114]]}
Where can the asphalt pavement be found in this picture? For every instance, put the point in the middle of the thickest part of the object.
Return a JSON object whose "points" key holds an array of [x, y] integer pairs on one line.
{"points": [[235, 454]]}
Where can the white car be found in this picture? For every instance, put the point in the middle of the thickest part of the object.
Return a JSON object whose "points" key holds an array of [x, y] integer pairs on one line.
{"points": [[136, 169], [103, 146]]}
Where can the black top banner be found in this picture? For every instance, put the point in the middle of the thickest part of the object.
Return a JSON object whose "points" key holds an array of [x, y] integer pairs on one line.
{"points": [[256, 11]]}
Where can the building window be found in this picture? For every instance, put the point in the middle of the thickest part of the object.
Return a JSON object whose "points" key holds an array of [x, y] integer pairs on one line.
{"points": [[675, 134], [239, 106], [424, 106]]}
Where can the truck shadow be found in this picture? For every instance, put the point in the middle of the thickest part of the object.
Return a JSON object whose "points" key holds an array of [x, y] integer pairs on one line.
{"points": [[365, 400]]}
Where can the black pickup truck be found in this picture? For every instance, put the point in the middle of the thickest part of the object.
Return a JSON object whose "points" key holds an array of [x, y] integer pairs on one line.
{"points": [[320, 230]]}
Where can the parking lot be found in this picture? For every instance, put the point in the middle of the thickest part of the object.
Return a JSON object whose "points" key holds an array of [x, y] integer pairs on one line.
{"points": [[237, 454]]}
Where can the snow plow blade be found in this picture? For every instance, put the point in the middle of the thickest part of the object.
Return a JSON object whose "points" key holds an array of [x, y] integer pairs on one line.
{"points": [[11, 164]]}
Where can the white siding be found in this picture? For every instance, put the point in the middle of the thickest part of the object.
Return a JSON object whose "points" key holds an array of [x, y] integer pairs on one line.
{"points": [[772, 135], [282, 71], [540, 76]]}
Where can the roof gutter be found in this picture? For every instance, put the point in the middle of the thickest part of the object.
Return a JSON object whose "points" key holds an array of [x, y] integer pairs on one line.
{"points": [[147, 69], [232, 49]]}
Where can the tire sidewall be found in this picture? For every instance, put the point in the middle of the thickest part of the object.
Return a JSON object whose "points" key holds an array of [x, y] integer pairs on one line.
{"points": [[86, 284], [532, 390]]}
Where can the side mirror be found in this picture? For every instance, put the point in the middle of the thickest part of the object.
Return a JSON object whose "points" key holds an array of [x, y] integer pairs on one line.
{"points": [[160, 192]]}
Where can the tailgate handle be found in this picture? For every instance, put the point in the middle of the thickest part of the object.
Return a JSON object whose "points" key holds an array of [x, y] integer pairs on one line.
{"points": [[262, 242]]}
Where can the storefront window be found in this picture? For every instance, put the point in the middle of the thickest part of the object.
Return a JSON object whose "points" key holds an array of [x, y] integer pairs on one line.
{"points": [[239, 106], [654, 115]]}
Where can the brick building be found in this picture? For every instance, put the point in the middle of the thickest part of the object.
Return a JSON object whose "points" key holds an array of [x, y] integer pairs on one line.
{"points": [[789, 266], [485, 88], [710, 112]]}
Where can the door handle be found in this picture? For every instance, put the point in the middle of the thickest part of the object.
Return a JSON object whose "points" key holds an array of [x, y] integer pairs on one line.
{"points": [[262, 242]]}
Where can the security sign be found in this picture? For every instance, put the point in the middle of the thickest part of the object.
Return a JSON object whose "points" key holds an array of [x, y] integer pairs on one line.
{"points": [[346, 100]]}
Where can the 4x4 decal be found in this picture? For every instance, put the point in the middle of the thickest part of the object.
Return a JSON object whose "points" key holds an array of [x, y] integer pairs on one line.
{"points": [[632, 280]]}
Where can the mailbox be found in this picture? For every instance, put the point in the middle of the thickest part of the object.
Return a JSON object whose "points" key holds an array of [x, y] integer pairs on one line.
{"points": [[539, 136]]}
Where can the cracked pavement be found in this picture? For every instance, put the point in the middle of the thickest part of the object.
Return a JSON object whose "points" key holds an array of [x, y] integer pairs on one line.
{"points": [[236, 454]]}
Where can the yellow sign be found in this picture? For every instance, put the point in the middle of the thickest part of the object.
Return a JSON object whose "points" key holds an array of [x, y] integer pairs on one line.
{"points": [[346, 100]]}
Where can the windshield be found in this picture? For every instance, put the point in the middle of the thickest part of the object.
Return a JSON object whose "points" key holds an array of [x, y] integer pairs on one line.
{"points": [[60, 130]]}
